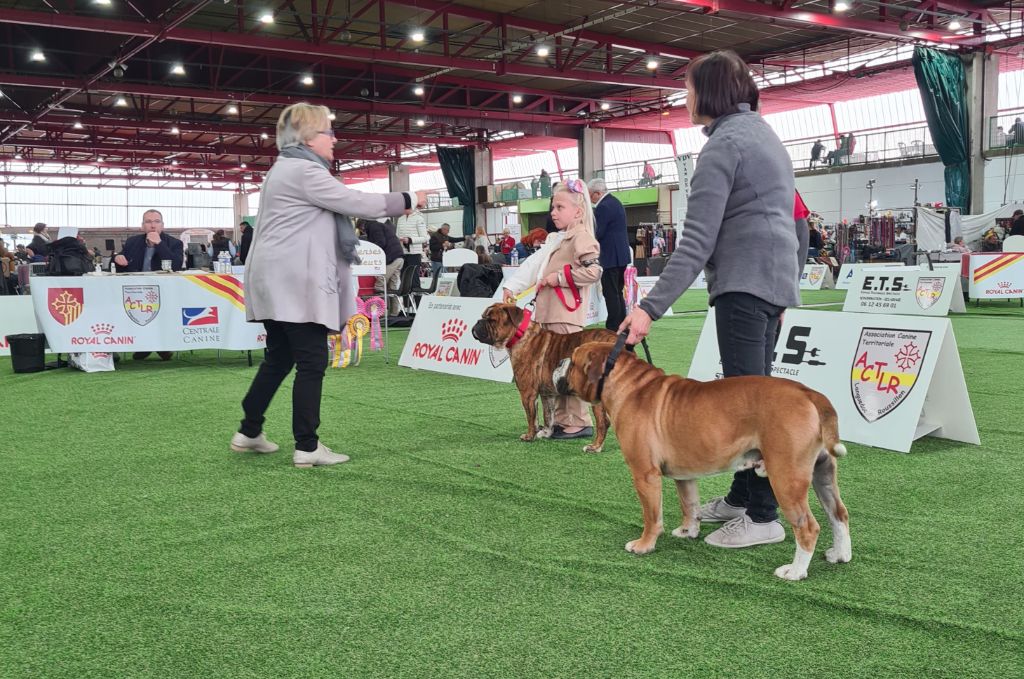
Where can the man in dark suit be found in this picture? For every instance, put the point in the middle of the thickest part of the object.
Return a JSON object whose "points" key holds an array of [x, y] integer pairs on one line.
{"points": [[148, 249], [610, 231], [145, 251]]}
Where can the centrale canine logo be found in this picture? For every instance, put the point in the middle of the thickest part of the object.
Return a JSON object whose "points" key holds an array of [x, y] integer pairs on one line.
{"points": [[452, 330]]}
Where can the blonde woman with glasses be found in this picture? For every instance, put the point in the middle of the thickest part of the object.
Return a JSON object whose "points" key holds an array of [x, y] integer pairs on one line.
{"points": [[298, 280]]}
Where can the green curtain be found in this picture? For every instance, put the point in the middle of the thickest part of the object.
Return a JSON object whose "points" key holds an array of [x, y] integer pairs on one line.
{"points": [[459, 173], [942, 82]]}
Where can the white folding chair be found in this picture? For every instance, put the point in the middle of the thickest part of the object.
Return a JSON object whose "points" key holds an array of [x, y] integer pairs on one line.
{"points": [[456, 257]]}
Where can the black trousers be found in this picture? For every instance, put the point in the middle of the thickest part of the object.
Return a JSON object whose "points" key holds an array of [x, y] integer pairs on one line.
{"points": [[612, 282], [747, 329], [299, 345]]}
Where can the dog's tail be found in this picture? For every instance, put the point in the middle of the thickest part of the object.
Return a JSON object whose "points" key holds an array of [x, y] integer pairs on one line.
{"points": [[829, 422]]}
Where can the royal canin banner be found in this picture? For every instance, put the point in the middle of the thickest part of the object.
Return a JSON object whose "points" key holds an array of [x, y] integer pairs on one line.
{"points": [[144, 312], [996, 275]]}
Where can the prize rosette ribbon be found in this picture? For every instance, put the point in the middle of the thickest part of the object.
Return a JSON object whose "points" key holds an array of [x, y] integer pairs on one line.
{"points": [[632, 289], [375, 308]]}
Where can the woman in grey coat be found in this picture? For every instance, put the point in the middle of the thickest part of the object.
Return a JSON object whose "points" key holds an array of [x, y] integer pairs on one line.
{"points": [[298, 280], [740, 228]]}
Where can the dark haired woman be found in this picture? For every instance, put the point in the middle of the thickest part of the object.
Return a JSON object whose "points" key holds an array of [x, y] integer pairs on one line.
{"points": [[740, 229]]}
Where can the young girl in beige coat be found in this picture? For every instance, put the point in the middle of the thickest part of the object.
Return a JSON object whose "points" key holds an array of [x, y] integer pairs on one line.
{"points": [[559, 309]]}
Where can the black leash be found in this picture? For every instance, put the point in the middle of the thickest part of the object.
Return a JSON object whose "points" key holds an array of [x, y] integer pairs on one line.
{"points": [[609, 363]]}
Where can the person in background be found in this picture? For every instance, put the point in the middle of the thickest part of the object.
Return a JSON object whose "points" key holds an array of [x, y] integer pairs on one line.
{"points": [[39, 248], [530, 243], [480, 237], [384, 236], [440, 242], [22, 254], [1016, 134], [8, 275], [243, 248], [576, 247], [610, 231], [742, 200], [481, 255], [815, 241], [412, 232], [1000, 137], [222, 243], [299, 281], [816, 153], [1017, 229], [958, 246], [506, 242], [851, 144], [990, 242], [145, 251], [901, 237]]}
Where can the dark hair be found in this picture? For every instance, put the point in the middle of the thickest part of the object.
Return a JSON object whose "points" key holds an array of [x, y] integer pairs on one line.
{"points": [[39, 227], [721, 80]]}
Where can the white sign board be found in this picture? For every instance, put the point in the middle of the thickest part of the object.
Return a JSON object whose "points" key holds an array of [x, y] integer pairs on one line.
{"points": [[701, 283], [848, 271], [996, 275], [441, 340], [684, 167], [816, 277], [892, 379], [644, 284], [909, 290], [16, 317], [373, 261], [144, 312]]}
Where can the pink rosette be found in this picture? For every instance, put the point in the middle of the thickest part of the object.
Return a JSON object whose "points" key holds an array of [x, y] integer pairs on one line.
{"points": [[375, 307]]}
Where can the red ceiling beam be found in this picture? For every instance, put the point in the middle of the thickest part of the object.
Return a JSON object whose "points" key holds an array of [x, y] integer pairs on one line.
{"points": [[825, 21], [122, 149], [131, 177]]}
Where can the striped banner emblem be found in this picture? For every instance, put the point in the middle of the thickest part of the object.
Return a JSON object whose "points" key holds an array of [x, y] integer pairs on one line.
{"points": [[223, 285], [995, 265]]}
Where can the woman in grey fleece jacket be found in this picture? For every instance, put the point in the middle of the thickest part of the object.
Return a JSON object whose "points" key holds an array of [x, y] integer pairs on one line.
{"points": [[740, 229]]}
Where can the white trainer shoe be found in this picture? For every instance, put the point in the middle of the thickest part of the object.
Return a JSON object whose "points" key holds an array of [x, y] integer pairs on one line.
{"points": [[743, 532], [240, 443], [321, 457], [718, 510]]}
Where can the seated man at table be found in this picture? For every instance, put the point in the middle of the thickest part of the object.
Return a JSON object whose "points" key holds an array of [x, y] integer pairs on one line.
{"points": [[145, 251], [148, 249]]}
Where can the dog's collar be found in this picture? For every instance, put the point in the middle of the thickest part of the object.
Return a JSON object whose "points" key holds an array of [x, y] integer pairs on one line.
{"points": [[521, 330], [609, 363]]}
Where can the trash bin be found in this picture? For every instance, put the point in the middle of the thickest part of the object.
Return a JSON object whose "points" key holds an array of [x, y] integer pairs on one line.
{"points": [[28, 352]]}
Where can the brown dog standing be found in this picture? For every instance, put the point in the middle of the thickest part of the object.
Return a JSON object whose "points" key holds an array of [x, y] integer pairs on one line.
{"points": [[684, 429], [534, 356]]}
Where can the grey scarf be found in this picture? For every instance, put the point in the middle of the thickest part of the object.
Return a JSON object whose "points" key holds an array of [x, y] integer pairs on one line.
{"points": [[347, 238]]}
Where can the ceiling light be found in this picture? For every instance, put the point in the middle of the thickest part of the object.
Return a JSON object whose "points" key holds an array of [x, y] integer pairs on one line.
{"points": [[77, 125], [264, 135], [174, 162], [103, 3], [332, 116], [37, 55], [421, 122], [652, 63], [418, 90], [841, 6], [666, 112], [605, 106], [543, 51], [417, 36], [267, 18], [955, 25], [121, 101], [232, 110], [307, 80], [242, 166], [175, 130], [99, 159], [517, 99], [205, 176], [17, 156], [178, 69]]}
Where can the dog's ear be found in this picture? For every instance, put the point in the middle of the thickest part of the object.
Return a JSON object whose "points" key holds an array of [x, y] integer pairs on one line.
{"points": [[593, 361], [515, 314]]}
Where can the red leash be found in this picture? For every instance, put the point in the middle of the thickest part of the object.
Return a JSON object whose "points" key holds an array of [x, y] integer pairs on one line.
{"points": [[523, 327], [572, 288]]}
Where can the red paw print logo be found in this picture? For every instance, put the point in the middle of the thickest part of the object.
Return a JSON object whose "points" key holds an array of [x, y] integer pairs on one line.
{"points": [[453, 330], [102, 329]]}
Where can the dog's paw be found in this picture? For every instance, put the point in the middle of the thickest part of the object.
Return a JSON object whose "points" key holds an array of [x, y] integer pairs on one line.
{"points": [[791, 572], [544, 433], [684, 532], [638, 547], [838, 555], [526, 437], [591, 448]]}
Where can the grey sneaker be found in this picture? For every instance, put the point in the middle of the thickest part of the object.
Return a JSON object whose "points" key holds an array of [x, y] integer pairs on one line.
{"points": [[718, 510], [321, 457], [742, 532], [240, 443]]}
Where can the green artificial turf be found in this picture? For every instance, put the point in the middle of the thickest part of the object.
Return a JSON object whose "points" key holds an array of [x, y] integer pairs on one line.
{"points": [[133, 543]]}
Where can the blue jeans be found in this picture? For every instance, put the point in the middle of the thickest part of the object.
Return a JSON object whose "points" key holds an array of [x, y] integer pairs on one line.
{"points": [[747, 329], [435, 267]]}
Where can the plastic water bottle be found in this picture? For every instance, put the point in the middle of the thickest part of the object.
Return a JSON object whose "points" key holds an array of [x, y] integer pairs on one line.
{"points": [[515, 258], [223, 262]]}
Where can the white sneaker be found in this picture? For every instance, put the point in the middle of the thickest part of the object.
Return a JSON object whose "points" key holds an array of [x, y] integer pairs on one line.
{"points": [[743, 532], [240, 443], [321, 457], [719, 510]]}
